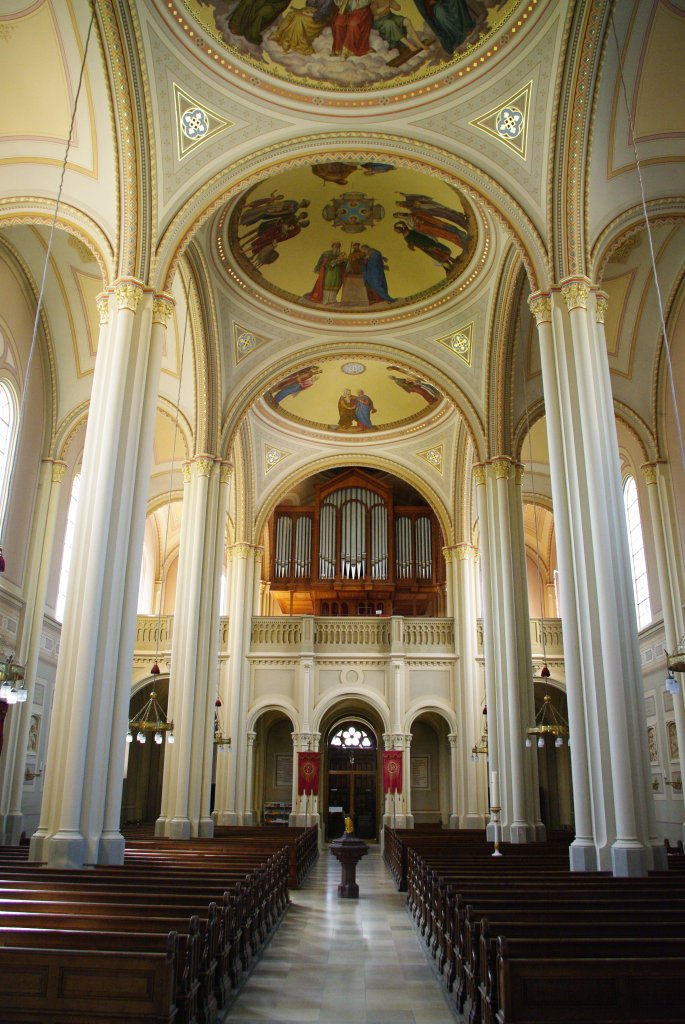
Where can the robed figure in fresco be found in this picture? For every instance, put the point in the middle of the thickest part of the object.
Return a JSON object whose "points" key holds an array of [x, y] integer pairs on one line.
{"points": [[363, 410], [373, 271], [352, 22], [451, 20], [294, 383], [251, 17], [302, 25], [347, 406], [329, 268]]}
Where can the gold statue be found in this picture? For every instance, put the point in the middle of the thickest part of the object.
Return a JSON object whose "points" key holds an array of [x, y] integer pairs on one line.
{"points": [[349, 827]]}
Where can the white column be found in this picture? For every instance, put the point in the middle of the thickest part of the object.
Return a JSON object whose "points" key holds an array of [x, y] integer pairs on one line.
{"points": [[16, 738], [86, 747], [576, 378], [583, 855], [467, 807], [194, 653], [454, 781], [670, 584], [231, 791], [249, 818]]}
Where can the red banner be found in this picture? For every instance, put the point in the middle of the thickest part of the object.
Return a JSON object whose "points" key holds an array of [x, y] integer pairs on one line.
{"points": [[308, 773], [392, 771]]}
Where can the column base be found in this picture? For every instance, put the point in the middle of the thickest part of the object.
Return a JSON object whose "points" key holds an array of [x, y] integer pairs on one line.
{"points": [[224, 818], [582, 856], [659, 857], [519, 832], [248, 818], [111, 849], [37, 846], [205, 828], [540, 831], [161, 828], [179, 828], [628, 860], [14, 823], [65, 850], [468, 821]]}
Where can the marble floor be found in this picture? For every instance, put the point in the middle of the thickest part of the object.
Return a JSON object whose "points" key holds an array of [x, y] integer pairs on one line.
{"points": [[344, 961]]}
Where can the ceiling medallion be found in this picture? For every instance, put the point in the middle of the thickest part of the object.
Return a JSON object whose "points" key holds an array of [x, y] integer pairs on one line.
{"points": [[350, 45], [353, 368]]}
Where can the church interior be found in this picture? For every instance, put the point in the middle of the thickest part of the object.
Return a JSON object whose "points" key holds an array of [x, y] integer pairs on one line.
{"points": [[342, 353]]}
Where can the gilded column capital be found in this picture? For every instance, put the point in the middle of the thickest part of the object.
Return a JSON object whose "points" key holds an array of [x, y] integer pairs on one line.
{"points": [[501, 467], [102, 302], [519, 470], [453, 738], [186, 472], [59, 468], [203, 465], [241, 549], [575, 293], [462, 552], [226, 472], [649, 472], [128, 294], [541, 308], [601, 303], [479, 474], [162, 308]]}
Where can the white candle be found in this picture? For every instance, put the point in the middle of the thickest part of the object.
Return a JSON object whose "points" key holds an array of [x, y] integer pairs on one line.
{"points": [[494, 789]]}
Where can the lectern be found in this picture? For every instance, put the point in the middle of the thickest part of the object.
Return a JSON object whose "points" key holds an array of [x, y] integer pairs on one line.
{"points": [[349, 851]]}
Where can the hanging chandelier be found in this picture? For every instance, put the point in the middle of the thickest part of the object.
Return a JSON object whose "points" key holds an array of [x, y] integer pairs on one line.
{"points": [[150, 720], [481, 747], [10, 675], [548, 721], [220, 740], [675, 663]]}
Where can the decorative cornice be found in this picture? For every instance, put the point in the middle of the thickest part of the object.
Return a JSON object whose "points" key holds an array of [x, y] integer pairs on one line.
{"points": [[575, 294], [128, 294], [541, 308]]}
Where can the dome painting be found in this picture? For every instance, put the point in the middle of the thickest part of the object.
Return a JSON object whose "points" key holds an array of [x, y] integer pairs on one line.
{"points": [[350, 44], [345, 237]]}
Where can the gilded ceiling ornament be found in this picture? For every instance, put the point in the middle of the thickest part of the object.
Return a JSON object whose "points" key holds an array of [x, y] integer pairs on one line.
{"points": [[128, 295], [541, 308], [459, 342], [272, 457], [508, 121], [576, 294], [195, 122], [433, 456]]}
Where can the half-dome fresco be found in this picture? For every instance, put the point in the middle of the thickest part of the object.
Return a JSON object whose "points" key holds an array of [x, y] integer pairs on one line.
{"points": [[351, 237], [350, 44], [354, 396]]}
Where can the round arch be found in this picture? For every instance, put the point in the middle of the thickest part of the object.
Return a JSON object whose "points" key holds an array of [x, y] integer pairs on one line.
{"points": [[349, 699]]}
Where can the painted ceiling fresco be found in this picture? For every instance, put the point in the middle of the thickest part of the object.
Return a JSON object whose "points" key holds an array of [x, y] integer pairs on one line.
{"points": [[350, 237], [350, 44], [354, 396]]}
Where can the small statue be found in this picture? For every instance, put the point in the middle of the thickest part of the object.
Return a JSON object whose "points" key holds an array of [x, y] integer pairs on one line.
{"points": [[349, 827]]}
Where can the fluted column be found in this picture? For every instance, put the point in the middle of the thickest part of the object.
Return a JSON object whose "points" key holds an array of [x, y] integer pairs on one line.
{"points": [[662, 518], [43, 532], [467, 805], [192, 682], [586, 484], [79, 819], [231, 782]]}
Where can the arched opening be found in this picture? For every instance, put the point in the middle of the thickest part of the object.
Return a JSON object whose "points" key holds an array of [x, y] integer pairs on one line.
{"points": [[273, 768], [351, 745], [430, 770], [141, 798], [554, 768]]}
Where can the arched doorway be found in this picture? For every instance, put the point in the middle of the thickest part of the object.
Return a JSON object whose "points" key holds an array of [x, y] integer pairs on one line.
{"points": [[430, 771], [273, 768], [141, 797], [352, 753]]}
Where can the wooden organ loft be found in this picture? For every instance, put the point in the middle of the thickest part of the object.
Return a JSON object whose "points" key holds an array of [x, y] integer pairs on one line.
{"points": [[354, 552]]}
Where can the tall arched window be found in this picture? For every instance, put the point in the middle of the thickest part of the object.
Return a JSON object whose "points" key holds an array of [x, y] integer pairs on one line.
{"points": [[8, 439], [637, 553], [68, 547]]}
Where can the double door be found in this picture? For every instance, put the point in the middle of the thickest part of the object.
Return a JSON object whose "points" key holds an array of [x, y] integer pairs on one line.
{"points": [[352, 781]]}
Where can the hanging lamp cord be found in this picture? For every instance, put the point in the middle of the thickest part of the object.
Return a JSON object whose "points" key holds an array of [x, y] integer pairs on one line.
{"points": [[39, 303]]}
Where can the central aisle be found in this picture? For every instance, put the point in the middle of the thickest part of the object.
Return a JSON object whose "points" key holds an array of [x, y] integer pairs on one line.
{"points": [[344, 961]]}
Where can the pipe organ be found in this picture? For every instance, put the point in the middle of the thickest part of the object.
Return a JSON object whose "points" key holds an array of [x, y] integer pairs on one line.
{"points": [[354, 552]]}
